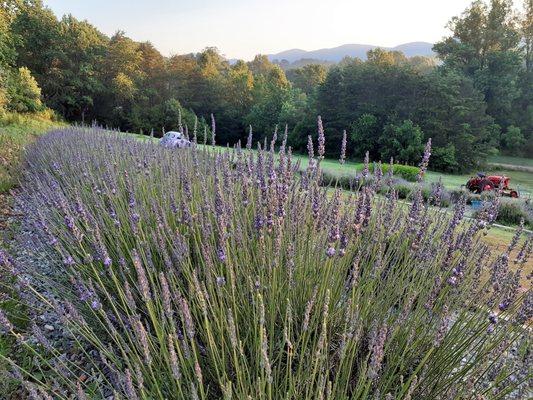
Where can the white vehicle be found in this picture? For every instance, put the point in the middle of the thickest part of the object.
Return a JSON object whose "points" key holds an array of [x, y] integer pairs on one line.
{"points": [[173, 139]]}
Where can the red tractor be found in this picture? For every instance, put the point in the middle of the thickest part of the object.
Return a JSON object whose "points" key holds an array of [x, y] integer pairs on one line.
{"points": [[483, 183]]}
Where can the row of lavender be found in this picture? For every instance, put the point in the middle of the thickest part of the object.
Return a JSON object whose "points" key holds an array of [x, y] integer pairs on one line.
{"points": [[197, 274]]}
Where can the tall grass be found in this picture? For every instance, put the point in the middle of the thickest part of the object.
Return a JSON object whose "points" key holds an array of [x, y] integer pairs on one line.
{"points": [[198, 274], [16, 132]]}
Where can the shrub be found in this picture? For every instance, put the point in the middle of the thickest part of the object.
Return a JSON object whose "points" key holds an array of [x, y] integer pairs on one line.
{"points": [[403, 190], [341, 181], [403, 141], [23, 92], [511, 213], [444, 158], [457, 194], [442, 199], [407, 172], [184, 278]]}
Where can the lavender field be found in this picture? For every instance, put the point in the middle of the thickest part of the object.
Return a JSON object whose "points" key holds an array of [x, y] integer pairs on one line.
{"points": [[203, 274]]}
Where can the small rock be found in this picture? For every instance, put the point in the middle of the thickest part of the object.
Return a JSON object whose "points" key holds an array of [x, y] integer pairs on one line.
{"points": [[49, 327]]}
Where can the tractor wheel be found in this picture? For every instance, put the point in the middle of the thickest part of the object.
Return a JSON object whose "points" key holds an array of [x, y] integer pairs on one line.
{"points": [[472, 187], [485, 185]]}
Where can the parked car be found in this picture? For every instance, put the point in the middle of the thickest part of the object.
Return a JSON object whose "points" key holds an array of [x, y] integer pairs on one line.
{"points": [[173, 139]]}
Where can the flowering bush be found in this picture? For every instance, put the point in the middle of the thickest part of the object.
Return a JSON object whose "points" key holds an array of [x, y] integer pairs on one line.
{"points": [[198, 274]]}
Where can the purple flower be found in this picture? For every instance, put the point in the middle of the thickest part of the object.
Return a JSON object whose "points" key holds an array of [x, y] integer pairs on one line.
{"points": [[425, 161], [343, 148], [141, 276], [310, 150], [107, 262], [249, 140], [68, 261], [187, 318], [504, 305], [131, 393], [5, 324], [366, 170], [258, 222], [377, 344], [213, 130], [95, 304], [321, 139], [176, 373], [330, 252], [221, 253]]}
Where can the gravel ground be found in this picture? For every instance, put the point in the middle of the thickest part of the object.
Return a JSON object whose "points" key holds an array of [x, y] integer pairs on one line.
{"points": [[40, 269]]}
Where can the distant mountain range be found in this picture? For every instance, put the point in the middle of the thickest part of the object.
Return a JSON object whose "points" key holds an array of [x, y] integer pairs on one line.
{"points": [[335, 54]]}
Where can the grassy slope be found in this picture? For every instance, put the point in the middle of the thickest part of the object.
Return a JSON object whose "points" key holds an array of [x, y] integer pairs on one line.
{"points": [[16, 132], [511, 160]]}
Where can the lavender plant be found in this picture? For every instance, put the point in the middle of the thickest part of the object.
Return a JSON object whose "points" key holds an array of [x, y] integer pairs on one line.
{"points": [[198, 274]]}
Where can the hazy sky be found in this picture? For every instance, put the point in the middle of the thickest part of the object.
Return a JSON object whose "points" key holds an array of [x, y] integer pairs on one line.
{"points": [[243, 28]]}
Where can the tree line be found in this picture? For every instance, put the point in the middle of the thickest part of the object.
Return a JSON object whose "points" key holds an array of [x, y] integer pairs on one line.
{"points": [[475, 101]]}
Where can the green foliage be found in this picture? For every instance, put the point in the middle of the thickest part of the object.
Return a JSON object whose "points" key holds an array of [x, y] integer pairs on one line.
{"points": [[513, 138], [389, 104], [23, 92], [364, 134], [7, 40], [407, 172], [307, 78], [492, 47], [403, 190], [443, 158], [403, 142], [369, 96]]}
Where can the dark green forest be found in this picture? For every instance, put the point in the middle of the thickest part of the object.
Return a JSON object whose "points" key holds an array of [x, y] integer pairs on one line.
{"points": [[477, 100]]}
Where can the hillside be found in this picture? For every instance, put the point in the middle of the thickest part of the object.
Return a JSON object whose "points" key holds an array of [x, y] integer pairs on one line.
{"points": [[335, 54]]}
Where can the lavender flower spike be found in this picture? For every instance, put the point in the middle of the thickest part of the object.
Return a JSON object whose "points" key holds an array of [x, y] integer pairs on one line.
{"points": [[321, 139], [5, 324], [249, 140], [213, 130], [366, 169], [377, 346], [425, 161], [310, 150], [141, 276], [343, 148]]}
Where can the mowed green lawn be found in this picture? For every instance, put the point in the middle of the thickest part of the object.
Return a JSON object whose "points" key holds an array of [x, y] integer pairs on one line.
{"points": [[518, 161], [522, 180]]}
